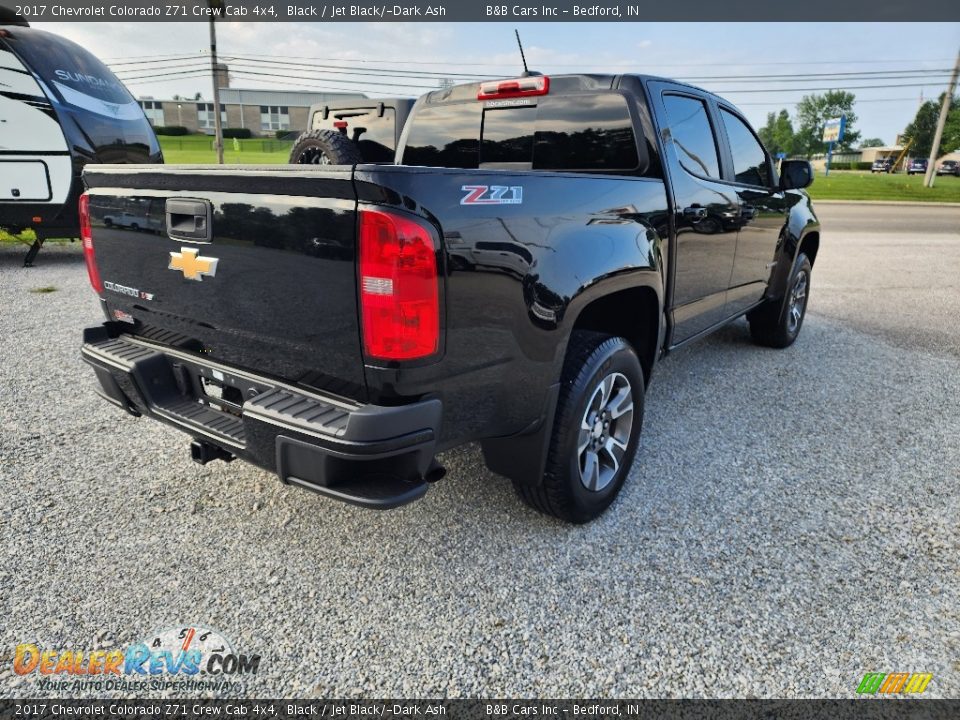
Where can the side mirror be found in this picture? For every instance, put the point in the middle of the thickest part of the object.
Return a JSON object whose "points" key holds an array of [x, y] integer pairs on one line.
{"points": [[795, 174]]}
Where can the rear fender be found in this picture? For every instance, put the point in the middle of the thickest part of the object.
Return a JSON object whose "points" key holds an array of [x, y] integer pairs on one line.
{"points": [[522, 457]]}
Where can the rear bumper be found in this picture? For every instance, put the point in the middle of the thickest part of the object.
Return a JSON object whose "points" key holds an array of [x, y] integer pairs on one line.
{"points": [[369, 455]]}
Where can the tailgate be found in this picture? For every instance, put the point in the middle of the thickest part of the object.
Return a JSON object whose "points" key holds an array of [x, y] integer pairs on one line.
{"points": [[252, 267]]}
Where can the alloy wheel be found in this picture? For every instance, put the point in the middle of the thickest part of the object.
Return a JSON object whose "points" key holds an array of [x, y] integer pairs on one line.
{"points": [[605, 432]]}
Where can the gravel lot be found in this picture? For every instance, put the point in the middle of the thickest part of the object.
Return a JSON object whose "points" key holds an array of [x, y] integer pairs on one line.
{"points": [[791, 523]]}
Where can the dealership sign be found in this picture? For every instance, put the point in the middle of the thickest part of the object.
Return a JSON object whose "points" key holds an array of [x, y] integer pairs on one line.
{"points": [[833, 129]]}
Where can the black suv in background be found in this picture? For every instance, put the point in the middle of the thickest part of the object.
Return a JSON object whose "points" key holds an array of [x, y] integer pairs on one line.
{"points": [[917, 166], [372, 128], [883, 165]]}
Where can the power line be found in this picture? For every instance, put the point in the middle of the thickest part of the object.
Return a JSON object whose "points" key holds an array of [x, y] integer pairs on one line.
{"points": [[315, 88], [336, 81], [139, 57], [639, 65], [152, 76], [858, 101], [824, 89], [341, 82], [157, 77], [186, 76], [416, 74], [347, 75], [634, 64], [172, 58], [234, 60], [878, 74], [361, 70]]}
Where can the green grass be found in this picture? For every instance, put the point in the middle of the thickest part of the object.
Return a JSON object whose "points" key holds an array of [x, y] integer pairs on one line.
{"points": [[43, 290], [847, 185], [26, 237], [198, 150]]}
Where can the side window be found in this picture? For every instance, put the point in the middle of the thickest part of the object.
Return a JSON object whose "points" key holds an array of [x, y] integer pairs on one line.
{"points": [[692, 135], [590, 132], [749, 159]]}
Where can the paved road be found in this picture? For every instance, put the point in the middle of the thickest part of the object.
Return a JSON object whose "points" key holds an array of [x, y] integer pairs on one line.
{"points": [[791, 522], [892, 271]]}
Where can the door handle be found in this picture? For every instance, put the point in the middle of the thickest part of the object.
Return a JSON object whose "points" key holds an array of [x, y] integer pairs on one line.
{"points": [[695, 213], [188, 220]]}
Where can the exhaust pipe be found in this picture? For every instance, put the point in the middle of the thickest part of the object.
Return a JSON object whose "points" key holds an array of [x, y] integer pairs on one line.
{"points": [[435, 472], [203, 452]]}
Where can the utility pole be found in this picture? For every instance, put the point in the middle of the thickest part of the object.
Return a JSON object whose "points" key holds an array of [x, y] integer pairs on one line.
{"points": [[217, 125], [938, 135]]}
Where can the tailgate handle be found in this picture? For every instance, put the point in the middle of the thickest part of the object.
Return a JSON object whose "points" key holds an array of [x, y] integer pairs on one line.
{"points": [[188, 220]]}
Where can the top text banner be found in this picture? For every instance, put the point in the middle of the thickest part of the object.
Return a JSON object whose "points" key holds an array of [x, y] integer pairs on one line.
{"points": [[809, 11]]}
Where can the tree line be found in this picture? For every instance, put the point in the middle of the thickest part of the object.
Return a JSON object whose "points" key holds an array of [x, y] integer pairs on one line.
{"points": [[802, 134]]}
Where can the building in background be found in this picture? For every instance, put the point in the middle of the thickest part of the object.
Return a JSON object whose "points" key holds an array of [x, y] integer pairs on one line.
{"points": [[263, 112]]}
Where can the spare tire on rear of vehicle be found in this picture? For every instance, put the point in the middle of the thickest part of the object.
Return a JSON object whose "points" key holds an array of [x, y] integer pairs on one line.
{"points": [[324, 147]]}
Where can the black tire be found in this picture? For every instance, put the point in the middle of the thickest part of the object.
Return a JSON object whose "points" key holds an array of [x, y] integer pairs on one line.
{"points": [[107, 222], [592, 360], [324, 147], [135, 227], [777, 324]]}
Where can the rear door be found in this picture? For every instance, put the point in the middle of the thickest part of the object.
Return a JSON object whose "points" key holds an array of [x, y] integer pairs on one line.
{"points": [[706, 209], [763, 208], [252, 267]]}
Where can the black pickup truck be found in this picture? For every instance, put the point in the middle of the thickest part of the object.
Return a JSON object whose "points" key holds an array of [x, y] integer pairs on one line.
{"points": [[538, 246]]}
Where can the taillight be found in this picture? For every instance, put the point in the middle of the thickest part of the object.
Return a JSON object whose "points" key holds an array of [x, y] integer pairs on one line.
{"points": [[399, 287], [86, 239], [521, 87]]}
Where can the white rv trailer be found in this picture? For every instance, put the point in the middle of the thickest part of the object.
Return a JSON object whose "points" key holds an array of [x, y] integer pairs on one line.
{"points": [[60, 108]]}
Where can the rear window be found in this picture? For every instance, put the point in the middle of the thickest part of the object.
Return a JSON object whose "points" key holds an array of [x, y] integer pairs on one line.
{"points": [[374, 135], [583, 133]]}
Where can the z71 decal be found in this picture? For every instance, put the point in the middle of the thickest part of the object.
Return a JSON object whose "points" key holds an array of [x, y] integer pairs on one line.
{"points": [[492, 195]]}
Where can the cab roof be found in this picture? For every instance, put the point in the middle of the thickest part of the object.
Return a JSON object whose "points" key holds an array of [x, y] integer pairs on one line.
{"points": [[560, 85]]}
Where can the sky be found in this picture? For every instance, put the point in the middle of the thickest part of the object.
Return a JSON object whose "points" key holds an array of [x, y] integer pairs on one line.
{"points": [[746, 55]]}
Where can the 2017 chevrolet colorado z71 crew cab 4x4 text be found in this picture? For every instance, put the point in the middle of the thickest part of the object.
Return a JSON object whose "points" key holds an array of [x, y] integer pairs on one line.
{"points": [[539, 244]]}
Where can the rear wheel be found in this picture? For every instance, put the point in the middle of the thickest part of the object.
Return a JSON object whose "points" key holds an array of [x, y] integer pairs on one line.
{"points": [[777, 324], [596, 430], [324, 147]]}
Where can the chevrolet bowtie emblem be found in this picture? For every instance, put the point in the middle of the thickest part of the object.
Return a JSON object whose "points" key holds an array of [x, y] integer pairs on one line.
{"points": [[192, 266]]}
